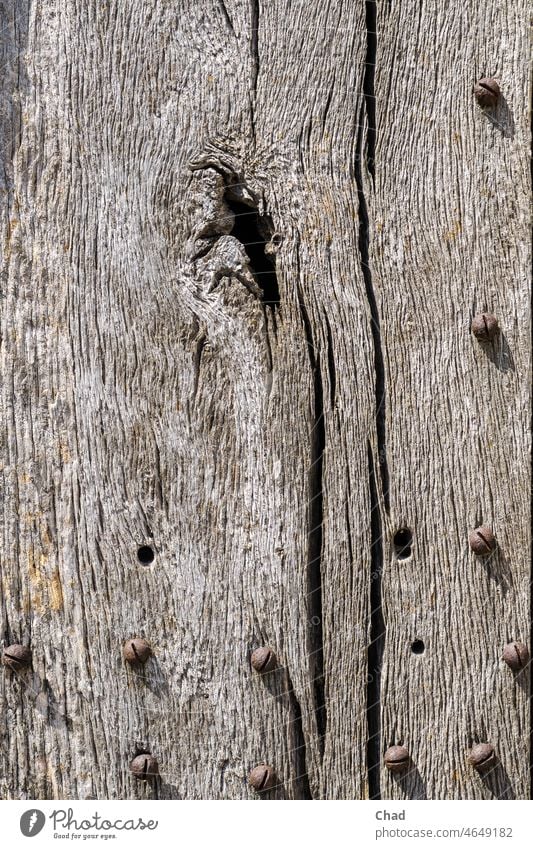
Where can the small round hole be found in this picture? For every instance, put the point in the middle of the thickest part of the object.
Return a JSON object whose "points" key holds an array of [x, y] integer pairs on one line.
{"points": [[146, 555], [403, 540], [417, 647]]}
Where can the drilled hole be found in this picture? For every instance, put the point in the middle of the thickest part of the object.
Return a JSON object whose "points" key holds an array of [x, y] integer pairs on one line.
{"points": [[418, 647], [403, 540], [146, 555]]}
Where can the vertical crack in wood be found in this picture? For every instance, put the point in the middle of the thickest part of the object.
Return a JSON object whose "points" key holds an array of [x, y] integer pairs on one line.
{"points": [[368, 84], [226, 16], [377, 638], [254, 41], [331, 365], [254, 49], [314, 545], [366, 144], [297, 745], [530, 669]]}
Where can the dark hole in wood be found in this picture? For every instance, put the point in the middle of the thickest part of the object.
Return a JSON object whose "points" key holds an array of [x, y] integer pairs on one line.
{"points": [[146, 555], [403, 540], [417, 647], [253, 232]]}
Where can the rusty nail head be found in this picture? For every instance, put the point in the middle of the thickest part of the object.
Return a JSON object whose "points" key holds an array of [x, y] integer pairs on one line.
{"points": [[487, 92], [484, 326], [482, 757], [136, 651], [516, 656], [17, 657], [144, 767], [262, 777], [264, 659], [396, 758], [482, 541]]}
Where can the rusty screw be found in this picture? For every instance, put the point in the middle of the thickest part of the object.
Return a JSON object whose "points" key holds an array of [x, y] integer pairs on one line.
{"points": [[487, 92], [136, 651], [396, 758], [262, 777], [482, 541], [482, 757], [17, 657], [516, 655], [264, 659], [144, 767], [484, 326]]}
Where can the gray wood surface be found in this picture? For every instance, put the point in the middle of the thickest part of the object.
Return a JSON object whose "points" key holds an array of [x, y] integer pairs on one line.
{"points": [[265, 428]]}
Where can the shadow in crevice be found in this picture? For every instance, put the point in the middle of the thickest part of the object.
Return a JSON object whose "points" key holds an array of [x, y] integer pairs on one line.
{"points": [[315, 529], [377, 637], [254, 231], [300, 781], [279, 684]]}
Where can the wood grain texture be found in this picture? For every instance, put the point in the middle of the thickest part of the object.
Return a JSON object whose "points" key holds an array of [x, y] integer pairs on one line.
{"points": [[449, 240], [265, 433]]}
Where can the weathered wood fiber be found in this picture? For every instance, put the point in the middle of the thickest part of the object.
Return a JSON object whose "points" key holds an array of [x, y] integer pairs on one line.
{"points": [[265, 433], [449, 239]]}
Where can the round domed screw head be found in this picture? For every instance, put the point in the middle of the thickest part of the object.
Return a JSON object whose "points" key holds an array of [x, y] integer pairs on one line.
{"points": [[144, 767], [264, 659], [482, 757], [482, 541], [262, 777], [136, 651], [487, 92], [17, 657], [516, 656], [485, 326], [396, 759]]}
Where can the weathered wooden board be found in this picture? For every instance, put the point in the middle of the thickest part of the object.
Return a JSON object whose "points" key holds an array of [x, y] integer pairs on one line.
{"points": [[449, 236], [242, 245]]}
